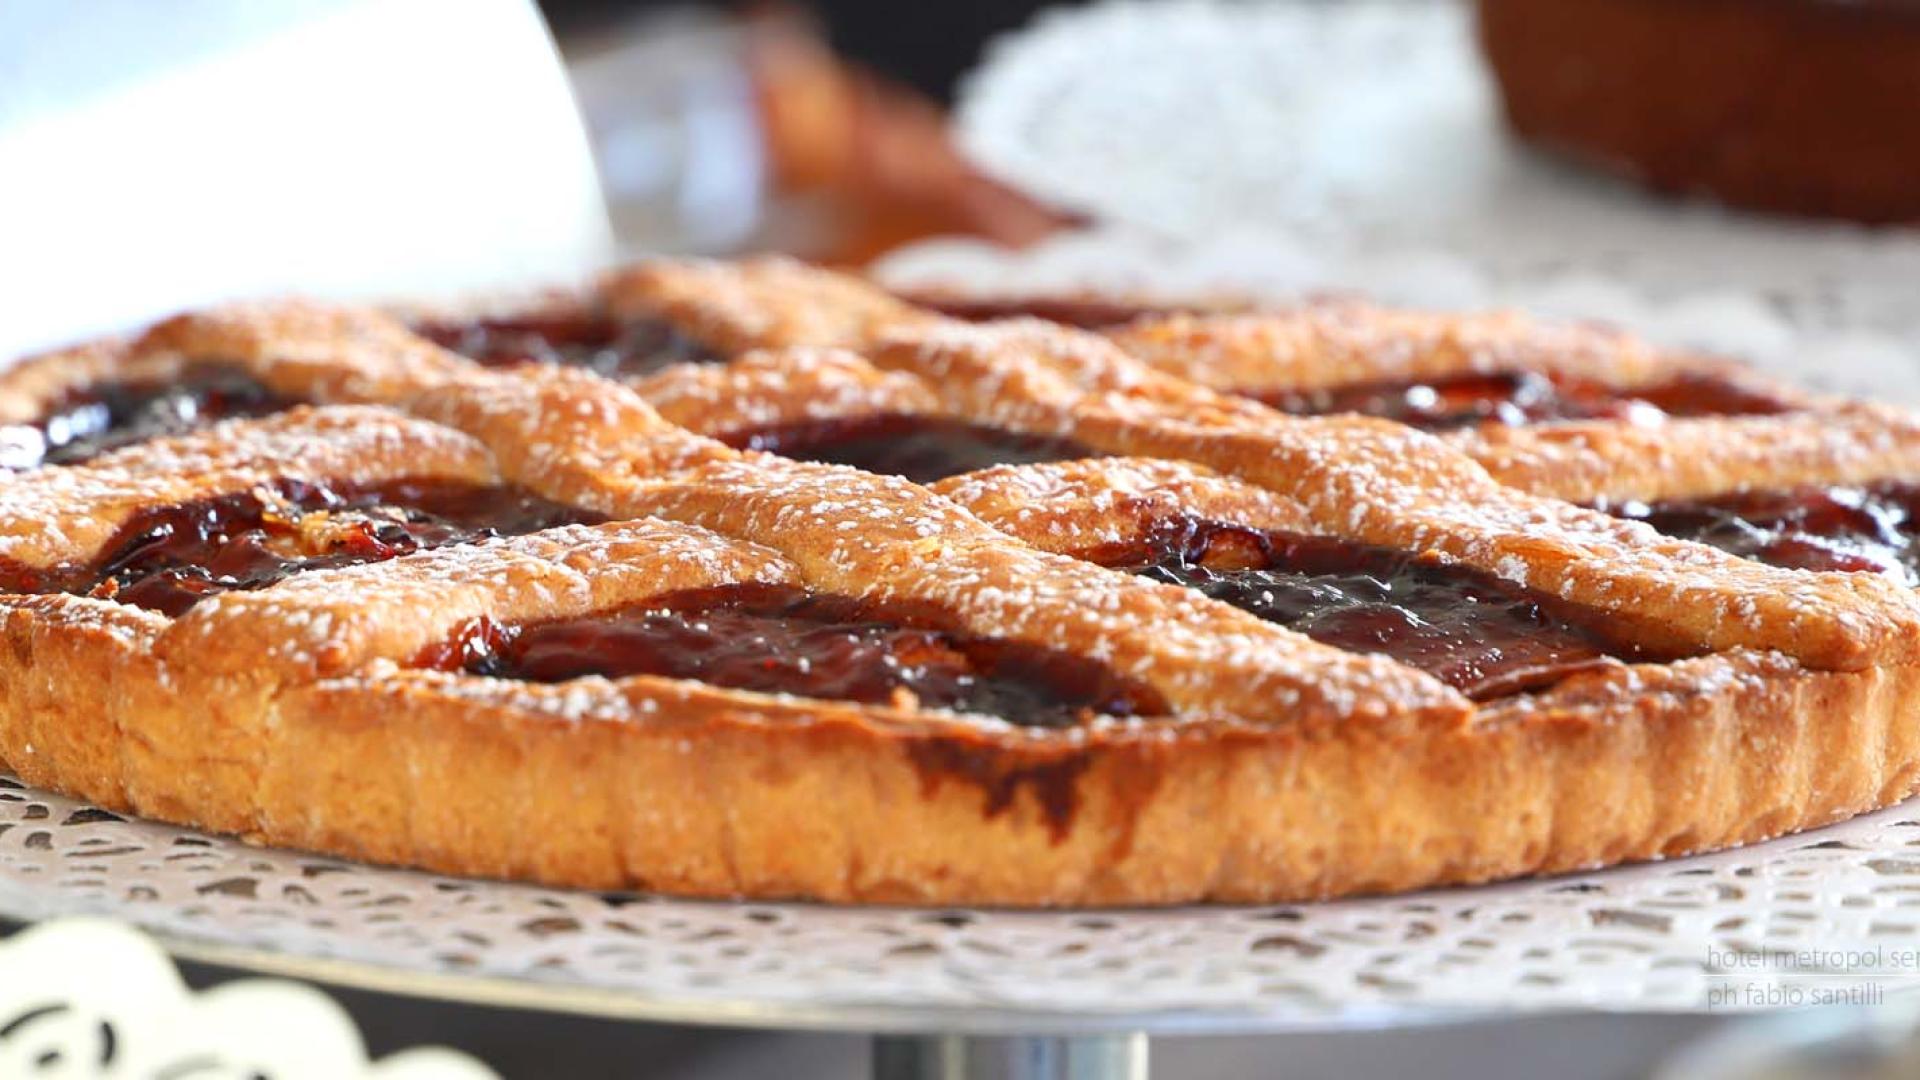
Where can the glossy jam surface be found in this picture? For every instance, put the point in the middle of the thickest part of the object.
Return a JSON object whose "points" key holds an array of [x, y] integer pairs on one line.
{"points": [[1525, 398], [1484, 636], [1874, 529], [89, 422], [169, 558], [601, 344], [782, 640], [921, 449]]}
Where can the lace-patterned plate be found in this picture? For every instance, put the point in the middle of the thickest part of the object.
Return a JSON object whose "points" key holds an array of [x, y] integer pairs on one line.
{"points": [[1647, 937]]}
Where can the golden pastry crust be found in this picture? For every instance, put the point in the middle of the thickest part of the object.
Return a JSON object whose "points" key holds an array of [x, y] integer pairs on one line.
{"points": [[312, 352], [297, 350], [1387, 484], [1345, 343], [760, 303], [35, 383], [767, 390], [1684, 459], [63, 515], [856, 534], [654, 786], [302, 713]]}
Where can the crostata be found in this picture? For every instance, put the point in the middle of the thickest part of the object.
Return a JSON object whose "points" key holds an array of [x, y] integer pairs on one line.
{"points": [[752, 579]]}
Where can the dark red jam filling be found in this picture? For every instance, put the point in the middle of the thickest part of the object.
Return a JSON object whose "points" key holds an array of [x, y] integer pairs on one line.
{"points": [[88, 422], [920, 448], [1871, 529], [169, 558], [1086, 312], [1526, 397], [1485, 636], [603, 345], [784, 640]]}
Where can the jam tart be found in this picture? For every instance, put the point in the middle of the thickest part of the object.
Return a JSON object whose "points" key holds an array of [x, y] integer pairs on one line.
{"points": [[594, 594]]}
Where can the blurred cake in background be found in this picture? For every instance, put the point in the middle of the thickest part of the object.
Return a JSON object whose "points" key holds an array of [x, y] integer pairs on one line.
{"points": [[1807, 107]]}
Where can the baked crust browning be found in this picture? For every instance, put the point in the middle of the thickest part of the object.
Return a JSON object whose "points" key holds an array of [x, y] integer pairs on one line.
{"points": [[1344, 342], [767, 302], [34, 382], [308, 351], [1387, 484], [860, 535], [657, 787], [71, 670], [770, 389], [1082, 505], [63, 515], [301, 351], [91, 704], [1694, 458]]}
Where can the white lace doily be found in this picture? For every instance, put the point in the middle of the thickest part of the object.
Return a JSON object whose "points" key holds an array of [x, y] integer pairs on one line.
{"points": [[1660, 936], [1368, 126]]}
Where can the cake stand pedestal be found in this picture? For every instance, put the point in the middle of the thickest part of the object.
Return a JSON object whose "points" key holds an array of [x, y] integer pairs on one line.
{"points": [[1011, 1057]]}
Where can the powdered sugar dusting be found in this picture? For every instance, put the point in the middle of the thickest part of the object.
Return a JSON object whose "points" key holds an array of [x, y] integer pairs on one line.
{"points": [[330, 621], [576, 438], [910, 546], [769, 389]]}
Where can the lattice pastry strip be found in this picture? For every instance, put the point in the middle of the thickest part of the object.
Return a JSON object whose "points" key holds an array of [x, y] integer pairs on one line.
{"points": [[1326, 356], [670, 784], [1804, 482], [1834, 492], [1680, 595], [1323, 357], [883, 539], [1778, 475], [1683, 459], [1427, 369], [245, 360], [1703, 450], [1375, 481], [1447, 370], [733, 308], [1392, 485]]}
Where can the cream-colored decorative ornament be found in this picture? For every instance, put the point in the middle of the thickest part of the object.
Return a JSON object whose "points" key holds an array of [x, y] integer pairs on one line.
{"points": [[94, 998]]}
